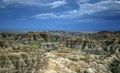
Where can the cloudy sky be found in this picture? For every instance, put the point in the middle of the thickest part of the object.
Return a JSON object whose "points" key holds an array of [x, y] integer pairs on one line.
{"points": [[69, 15]]}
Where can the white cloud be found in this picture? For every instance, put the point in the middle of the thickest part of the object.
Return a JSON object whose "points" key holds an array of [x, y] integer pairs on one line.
{"points": [[90, 8], [38, 3], [57, 3], [45, 16], [50, 15], [85, 8]]}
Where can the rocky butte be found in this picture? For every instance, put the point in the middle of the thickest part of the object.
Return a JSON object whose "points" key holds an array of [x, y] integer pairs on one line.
{"points": [[60, 52]]}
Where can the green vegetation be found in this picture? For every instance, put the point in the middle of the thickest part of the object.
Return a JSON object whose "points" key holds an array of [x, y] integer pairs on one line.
{"points": [[34, 46], [50, 43], [102, 57]]}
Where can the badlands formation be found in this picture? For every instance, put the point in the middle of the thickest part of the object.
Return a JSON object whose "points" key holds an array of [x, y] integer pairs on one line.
{"points": [[60, 52]]}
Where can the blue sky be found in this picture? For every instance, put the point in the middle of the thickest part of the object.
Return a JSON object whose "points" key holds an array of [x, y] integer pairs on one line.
{"points": [[68, 15]]}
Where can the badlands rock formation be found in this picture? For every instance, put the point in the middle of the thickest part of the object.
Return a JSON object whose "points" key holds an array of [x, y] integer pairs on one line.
{"points": [[60, 52]]}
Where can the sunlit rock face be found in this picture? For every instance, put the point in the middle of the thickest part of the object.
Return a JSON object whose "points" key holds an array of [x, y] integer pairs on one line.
{"points": [[60, 52], [54, 62]]}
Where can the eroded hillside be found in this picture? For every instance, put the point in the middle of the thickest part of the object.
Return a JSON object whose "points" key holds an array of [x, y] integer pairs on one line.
{"points": [[60, 52]]}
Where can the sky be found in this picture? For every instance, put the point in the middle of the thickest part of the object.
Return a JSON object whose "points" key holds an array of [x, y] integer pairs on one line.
{"points": [[67, 15]]}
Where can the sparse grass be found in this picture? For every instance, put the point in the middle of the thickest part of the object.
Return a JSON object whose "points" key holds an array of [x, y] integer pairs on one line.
{"points": [[50, 43], [34, 46], [101, 57]]}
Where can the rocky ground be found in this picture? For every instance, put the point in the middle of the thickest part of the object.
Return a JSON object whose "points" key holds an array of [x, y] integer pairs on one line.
{"points": [[60, 52]]}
